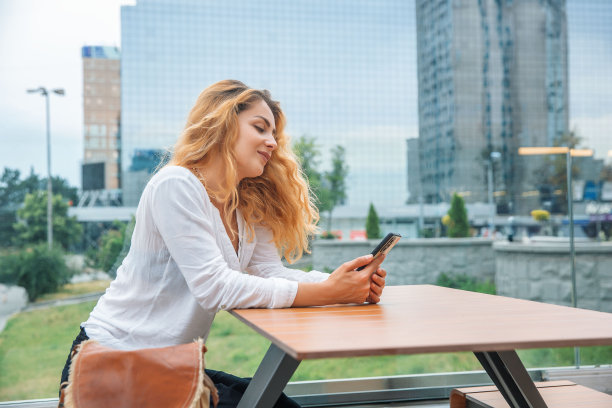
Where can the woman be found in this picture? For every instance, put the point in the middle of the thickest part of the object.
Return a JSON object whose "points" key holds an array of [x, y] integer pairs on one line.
{"points": [[209, 229]]}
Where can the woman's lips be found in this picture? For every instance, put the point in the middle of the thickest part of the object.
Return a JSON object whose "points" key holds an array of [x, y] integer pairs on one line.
{"points": [[265, 155]]}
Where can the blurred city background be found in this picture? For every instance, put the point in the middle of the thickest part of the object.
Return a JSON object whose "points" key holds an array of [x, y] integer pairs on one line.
{"points": [[411, 116]]}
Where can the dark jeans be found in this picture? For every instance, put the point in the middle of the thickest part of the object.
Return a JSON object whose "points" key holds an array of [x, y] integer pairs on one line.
{"points": [[229, 386]]}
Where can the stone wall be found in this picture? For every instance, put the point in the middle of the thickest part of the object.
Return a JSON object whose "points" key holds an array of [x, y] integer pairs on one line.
{"points": [[541, 272], [536, 270], [415, 261]]}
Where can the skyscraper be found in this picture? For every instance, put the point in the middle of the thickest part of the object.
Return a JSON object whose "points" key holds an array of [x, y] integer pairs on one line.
{"points": [[343, 71], [101, 112], [492, 77]]}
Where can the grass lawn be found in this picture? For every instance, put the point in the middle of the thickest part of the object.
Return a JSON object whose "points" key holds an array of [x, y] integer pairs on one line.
{"points": [[76, 289], [34, 346]]}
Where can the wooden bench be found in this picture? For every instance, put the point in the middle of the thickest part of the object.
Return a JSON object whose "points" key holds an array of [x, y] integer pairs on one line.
{"points": [[556, 394]]}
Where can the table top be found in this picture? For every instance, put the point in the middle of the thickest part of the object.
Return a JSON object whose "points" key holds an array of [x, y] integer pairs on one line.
{"points": [[427, 319]]}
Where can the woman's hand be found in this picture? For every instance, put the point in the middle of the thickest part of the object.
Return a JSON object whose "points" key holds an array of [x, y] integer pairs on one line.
{"points": [[344, 285], [352, 286], [377, 284]]}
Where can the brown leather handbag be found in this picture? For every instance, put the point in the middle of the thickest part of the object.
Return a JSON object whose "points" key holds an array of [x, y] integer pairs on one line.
{"points": [[168, 377]]}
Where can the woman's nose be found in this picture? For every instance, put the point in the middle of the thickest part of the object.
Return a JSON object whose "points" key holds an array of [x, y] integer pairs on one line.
{"points": [[271, 143]]}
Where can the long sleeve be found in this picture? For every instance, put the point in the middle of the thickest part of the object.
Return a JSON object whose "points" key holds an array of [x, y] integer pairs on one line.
{"points": [[266, 262], [183, 215]]}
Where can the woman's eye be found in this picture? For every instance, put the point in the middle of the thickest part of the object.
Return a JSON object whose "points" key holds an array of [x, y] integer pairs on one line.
{"points": [[259, 129]]}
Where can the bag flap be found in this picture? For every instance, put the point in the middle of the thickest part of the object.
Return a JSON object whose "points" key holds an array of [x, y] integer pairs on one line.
{"points": [[169, 377]]}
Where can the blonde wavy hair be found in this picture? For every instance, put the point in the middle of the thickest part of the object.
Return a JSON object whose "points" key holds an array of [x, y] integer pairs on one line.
{"points": [[280, 198]]}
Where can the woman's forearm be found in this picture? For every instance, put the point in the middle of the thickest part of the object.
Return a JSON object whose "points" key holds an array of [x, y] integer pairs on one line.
{"points": [[313, 294]]}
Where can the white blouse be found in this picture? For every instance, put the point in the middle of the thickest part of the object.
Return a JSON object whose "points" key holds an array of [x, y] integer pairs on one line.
{"points": [[182, 269]]}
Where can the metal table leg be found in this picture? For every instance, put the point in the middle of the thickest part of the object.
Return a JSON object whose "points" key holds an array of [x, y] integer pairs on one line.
{"points": [[269, 380], [511, 378]]}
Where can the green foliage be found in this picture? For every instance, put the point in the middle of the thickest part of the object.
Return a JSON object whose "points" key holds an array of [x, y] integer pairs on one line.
{"points": [[37, 269], [13, 191], [9, 268], [328, 235], [328, 187], [459, 226], [110, 247], [606, 173], [465, 282], [335, 183], [372, 224], [307, 154], [427, 233], [32, 225]]}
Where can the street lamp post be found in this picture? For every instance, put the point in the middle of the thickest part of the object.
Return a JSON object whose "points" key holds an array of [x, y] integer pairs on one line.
{"points": [[569, 153], [43, 91]]}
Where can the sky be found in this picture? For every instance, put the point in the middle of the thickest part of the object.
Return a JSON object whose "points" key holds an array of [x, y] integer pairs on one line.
{"points": [[40, 43]]}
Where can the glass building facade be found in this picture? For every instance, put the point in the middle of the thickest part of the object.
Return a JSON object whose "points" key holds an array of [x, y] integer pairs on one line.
{"points": [[493, 77], [343, 71]]}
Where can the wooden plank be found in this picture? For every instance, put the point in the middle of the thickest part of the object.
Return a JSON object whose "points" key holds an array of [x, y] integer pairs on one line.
{"points": [[575, 396], [427, 319]]}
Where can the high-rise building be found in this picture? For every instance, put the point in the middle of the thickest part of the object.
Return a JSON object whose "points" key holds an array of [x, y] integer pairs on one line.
{"points": [[101, 170], [343, 71], [414, 175], [492, 77]]}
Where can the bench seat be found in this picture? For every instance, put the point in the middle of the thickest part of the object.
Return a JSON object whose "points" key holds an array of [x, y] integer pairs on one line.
{"points": [[556, 394]]}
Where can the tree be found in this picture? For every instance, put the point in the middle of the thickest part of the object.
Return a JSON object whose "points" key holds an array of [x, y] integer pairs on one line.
{"points": [[458, 226], [32, 221], [112, 247], [553, 172], [60, 186], [307, 154], [335, 181], [372, 224], [329, 187], [13, 191], [606, 173]]}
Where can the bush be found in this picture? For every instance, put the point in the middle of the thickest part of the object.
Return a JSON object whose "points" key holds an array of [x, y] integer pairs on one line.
{"points": [[372, 224], [465, 282], [113, 246], [9, 268], [427, 233], [328, 235], [540, 215], [37, 269], [459, 226]]}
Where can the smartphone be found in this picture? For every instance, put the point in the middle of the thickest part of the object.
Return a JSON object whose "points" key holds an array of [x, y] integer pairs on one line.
{"points": [[384, 246]]}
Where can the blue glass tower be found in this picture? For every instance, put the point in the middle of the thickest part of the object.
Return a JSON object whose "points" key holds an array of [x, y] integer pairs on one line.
{"points": [[343, 71]]}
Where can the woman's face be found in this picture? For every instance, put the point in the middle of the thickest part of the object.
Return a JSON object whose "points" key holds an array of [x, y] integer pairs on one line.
{"points": [[256, 140]]}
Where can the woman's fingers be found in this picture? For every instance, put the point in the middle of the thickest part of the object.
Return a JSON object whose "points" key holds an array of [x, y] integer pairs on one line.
{"points": [[357, 262], [377, 285], [378, 279]]}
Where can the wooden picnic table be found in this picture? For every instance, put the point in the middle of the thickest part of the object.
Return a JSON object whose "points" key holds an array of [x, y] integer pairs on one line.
{"points": [[421, 319]]}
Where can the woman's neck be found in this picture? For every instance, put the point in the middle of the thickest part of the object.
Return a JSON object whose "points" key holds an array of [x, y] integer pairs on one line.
{"points": [[211, 174]]}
